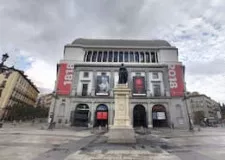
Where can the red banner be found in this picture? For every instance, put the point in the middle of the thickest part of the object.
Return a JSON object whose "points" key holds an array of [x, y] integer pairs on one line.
{"points": [[139, 86], [102, 115], [65, 78], [176, 79]]}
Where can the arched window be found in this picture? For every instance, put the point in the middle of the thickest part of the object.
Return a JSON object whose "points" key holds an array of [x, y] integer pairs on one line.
{"points": [[94, 56], [121, 56], [131, 56], [115, 56], [99, 56], [147, 57], [126, 57], [88, 59], [142, 59], [136, 57]]}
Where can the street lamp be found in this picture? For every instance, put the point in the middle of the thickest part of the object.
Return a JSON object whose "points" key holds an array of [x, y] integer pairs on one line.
{"points": [[4, 58], [188, 113], [2, 68], [52, 114]]}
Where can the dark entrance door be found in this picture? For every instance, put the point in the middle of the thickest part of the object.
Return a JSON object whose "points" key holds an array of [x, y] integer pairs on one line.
{"points": [[81, 115], [139, 116], [159, 118], [101, 115]]}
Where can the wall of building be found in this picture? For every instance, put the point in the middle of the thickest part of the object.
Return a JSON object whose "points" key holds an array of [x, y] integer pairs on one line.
{"points": [[174, 115], [8, 89], [72, 53], [175, 108], [17, 90], [168, 55], [203, 103]]}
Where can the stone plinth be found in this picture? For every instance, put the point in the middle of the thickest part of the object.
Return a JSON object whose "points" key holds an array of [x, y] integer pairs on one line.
{"points": [[122, 131]]}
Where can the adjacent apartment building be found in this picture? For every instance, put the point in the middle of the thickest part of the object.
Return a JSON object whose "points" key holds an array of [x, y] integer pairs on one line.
{"points": [[16, 88], [202, 106], [88, 73], [44, 100]]}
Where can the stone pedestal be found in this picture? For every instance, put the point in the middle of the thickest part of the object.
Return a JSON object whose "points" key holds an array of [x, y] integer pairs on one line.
{"points": [[122, 131]]}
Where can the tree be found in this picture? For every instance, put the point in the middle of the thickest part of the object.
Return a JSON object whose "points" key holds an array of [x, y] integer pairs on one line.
{"points": [[25, 112], [198, 116]]}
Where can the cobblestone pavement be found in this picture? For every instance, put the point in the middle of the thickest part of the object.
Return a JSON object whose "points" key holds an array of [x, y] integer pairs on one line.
{"points": [[24, 143]]}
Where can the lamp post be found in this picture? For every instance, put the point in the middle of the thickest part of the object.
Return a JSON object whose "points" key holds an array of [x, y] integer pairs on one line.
{"points": [[188, 113], [51, 125], [4, 58]]}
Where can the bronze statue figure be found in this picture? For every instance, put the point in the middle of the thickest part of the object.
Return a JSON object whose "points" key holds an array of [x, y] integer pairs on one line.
{"points": [[123, 74]]}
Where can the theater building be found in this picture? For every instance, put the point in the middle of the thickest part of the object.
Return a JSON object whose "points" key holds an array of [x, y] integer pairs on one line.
{"points": [[88, 73]]}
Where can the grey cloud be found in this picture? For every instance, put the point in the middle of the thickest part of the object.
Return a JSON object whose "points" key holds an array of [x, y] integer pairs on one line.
{"points": [[214, 67], [43, 27], [44, 90]]}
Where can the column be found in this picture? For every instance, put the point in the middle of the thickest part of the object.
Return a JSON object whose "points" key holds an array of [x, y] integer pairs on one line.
{"points": [[149, 115]]}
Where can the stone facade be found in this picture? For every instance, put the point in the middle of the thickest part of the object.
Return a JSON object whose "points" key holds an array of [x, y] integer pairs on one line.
{"points": [[202, 103], [84, 94]]}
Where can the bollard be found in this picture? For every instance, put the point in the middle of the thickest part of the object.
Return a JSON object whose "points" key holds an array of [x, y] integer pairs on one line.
{"points": [[14, 123], [100, 128], [199, 128]]}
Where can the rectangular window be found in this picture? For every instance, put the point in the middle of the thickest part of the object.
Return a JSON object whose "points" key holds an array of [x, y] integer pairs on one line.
{"points": [[3, 84], [142, 57], [136, 57], [156, 89], [121, 56], [89, 56], [147, 57], [131, 57], [86, 74], [155, 75], [126, 57], [110, 56], [103, 74], [138, 74], [115, 56], [0, 92], [84, 89], [94, 56], [153, 57], [156, 55], [105, 56], [99, 56]]}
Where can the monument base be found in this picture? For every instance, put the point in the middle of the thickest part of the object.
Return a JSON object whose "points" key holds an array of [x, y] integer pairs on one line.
{"points": [[121, 131], [121, 135]]}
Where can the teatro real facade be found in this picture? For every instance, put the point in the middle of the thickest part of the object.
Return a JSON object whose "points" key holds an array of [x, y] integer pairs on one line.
{"points": [[88, 73]]}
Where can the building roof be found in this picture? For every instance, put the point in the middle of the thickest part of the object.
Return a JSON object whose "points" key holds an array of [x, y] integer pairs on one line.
{"points": [[121, 42], [25, 76]]}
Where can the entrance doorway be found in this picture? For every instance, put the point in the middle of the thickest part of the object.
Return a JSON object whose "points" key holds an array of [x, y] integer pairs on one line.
{"points": [[139, 116], [159, 118], [81, 115], [101, 115]]}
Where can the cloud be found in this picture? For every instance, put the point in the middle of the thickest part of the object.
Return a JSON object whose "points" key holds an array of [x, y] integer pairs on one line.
{"points": [[42, 28], [42, 74], [209, 68]]}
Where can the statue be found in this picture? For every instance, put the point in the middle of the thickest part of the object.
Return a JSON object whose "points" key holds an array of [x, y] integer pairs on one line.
{"points": [[123, 74]]}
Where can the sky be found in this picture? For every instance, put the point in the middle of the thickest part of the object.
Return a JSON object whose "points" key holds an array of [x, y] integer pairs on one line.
{"points": [[35, 32]]}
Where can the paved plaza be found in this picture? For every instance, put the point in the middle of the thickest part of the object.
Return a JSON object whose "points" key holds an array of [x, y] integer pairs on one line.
{"points": [[26, 142]]}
